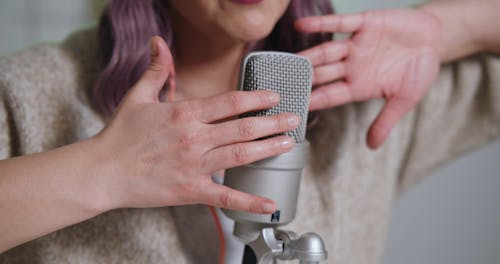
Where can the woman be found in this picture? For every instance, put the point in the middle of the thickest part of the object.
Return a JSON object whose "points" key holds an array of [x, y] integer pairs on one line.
{"points": [[153, 154]]}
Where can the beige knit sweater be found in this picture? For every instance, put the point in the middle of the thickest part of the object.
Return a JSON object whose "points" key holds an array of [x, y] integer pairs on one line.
{"points": [[347, 189]]}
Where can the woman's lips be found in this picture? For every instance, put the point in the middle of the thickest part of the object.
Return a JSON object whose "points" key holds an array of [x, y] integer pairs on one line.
{"points": [[247, 2]]}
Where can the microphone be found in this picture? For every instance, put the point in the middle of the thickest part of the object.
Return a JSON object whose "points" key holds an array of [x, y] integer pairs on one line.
{"points": [[277, 178]]}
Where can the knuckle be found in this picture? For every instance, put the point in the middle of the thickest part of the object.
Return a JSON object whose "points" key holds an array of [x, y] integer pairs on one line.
{"points": [[254, 206], [264, 99], [280, 122], [189, 139], [318, 75], [240, 154], [156, 67], [342, 23], [324, 101], [177, 113], [246, 128], [322, 23], [225, 199], [341, 70], [345, 49], [181, 113], [271, 149], [233, 102]]}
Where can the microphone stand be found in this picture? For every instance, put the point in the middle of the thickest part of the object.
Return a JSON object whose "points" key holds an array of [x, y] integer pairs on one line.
{"points": [[279, 179], [274, 244]]}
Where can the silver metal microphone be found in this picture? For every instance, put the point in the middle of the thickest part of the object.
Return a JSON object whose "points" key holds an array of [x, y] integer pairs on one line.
{"points": [[277, 178], [288, 75]]}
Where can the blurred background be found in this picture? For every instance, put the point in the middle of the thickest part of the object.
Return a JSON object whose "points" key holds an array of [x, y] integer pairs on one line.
{"points": [[452, 217]]}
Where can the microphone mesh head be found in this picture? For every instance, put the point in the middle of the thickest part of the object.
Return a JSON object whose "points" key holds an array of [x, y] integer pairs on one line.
{"points": [[288, 75]]}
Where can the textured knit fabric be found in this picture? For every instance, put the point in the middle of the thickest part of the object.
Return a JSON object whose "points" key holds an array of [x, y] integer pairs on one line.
{"points": [[346, 192]]}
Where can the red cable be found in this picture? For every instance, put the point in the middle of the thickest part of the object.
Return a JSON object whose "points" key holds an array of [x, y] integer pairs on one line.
{"points": [[220, 233]]}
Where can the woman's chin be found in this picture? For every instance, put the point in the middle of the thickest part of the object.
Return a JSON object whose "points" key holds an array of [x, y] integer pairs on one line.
{"points": [[251, 34], [252, 37]]}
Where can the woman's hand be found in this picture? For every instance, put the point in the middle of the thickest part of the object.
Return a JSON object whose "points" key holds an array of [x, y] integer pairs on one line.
{"points": [[392, 54], [164, 153]]}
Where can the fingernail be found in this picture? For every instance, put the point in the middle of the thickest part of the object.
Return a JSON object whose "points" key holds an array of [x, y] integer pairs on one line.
{"points": [[293, 121], [286, 143], [274, 97], [268, 208]]}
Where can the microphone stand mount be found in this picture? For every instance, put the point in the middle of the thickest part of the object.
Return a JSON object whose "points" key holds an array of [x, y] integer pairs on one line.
{"points": [[274, 244]]}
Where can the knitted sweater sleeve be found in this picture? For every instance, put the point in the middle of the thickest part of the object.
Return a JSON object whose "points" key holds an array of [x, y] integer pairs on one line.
{"points": [[460, 113]]}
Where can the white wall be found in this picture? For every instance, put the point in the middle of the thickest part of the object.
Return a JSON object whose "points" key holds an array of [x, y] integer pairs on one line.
{"points": [[24, 22], [348, 6]]}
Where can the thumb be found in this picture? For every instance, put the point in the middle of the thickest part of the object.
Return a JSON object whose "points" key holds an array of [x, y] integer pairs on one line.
{"points": [[161, 67], [391, 113]]}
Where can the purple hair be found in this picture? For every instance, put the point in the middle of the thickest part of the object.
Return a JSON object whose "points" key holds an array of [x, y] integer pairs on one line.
{"points": [[126, 27]]}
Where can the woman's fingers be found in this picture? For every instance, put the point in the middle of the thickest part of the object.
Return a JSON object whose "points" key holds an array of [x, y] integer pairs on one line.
{"points": [[328, 73], [391, 113], [331, 23], [243, 153], [224, 197], [329, 52], [233, 103], [330, 95], [250, 128], [154, 78]]}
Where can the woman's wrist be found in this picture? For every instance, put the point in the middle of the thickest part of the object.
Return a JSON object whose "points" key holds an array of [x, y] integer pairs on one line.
{"points": [[54, 189], [465, 30], [452, 43], [98, 170]]}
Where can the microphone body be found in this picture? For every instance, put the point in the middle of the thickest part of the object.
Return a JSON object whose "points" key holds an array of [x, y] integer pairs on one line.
{"points": [[277, 178]]}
